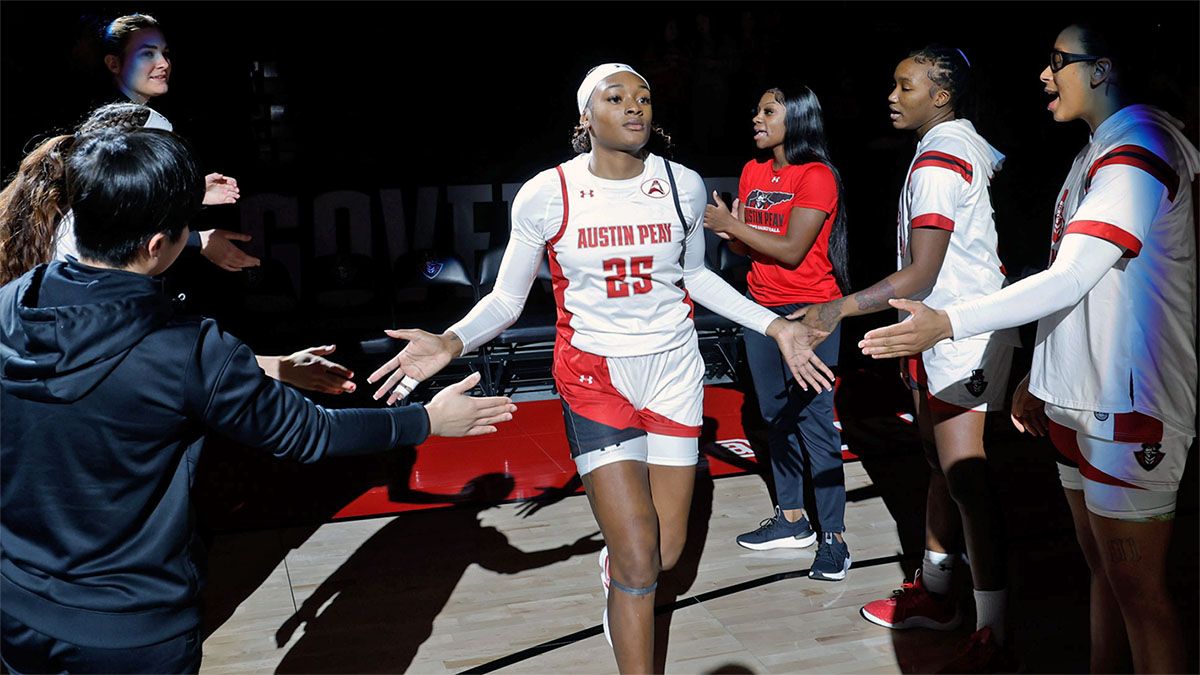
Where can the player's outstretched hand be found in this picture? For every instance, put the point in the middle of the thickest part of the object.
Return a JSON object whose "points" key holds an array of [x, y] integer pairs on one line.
{"points": [[309, 369], [453, 413], [423, 356], [796, 343], [923, 329]]}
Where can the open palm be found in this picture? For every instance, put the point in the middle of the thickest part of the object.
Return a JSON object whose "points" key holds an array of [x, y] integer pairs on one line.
{"points": [[423, 356]]}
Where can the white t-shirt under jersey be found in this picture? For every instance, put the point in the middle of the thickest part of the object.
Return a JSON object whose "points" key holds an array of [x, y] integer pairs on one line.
{"points": [[614, 249]]}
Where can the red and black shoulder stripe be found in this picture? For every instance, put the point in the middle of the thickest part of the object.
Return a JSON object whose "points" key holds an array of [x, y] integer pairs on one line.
{"points": [[946, 161], [1140, 158]]}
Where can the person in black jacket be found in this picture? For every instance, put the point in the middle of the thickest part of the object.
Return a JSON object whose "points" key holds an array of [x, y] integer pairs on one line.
{"points": [[105, 398]]}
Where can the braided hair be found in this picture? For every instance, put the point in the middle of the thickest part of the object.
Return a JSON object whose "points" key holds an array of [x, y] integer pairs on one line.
{"points": [[949, 70]]}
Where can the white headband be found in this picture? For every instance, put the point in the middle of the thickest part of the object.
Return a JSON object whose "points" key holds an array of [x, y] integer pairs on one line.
{"points": [[593, 78], [157, 121]]}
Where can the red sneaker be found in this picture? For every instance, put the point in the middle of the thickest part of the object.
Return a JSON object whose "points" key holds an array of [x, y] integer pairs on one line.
{"points": [[913, 607], [983, 654]]}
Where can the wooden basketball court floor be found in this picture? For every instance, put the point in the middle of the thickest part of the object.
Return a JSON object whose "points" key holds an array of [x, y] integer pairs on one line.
{"points": [[488, 585]]}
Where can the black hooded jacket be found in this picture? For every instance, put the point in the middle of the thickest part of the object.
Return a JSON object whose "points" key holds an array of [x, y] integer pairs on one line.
{"points": [[105, 397]]}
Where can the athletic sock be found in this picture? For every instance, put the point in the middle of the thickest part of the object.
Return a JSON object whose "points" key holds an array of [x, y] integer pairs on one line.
{"points": [[936, 571], [990, 607]]}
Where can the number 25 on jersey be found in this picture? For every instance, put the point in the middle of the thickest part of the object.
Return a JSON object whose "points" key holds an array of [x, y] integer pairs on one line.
{"points": [[638, 268]]}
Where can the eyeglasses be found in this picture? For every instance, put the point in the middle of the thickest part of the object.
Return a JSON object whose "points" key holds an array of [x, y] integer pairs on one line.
{"points": [[1060, 60]]}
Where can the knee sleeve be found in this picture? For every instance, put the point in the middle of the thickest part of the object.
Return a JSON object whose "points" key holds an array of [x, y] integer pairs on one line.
{"points": [[629, 590]]}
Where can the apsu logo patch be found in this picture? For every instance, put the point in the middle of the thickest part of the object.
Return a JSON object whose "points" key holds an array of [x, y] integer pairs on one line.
{"points": [[761, 199], [1059, 218], [977, 384], [656, 187], [1150, 456]]}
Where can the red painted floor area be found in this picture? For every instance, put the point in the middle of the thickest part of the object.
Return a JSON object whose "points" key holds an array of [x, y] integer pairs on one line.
{"points": [[532, 450]]}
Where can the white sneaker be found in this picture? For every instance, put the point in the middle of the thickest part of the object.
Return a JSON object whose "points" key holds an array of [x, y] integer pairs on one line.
{"points": [[604, 576], [604, 581], [607, 635]]}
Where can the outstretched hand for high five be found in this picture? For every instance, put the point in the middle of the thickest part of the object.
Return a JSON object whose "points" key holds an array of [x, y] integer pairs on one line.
{"points": [[220, 189], [423, 356], [453, 413], [309, 369], [218, 247], [922, 330], [796, 342]]}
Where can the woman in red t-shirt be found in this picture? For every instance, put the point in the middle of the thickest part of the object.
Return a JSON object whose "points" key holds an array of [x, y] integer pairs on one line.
{"points": [[793, 225]]}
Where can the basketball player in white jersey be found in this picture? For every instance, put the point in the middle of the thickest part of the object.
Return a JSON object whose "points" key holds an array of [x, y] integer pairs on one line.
{"points": [[1114, 369], [947, 252], [623, 230]]}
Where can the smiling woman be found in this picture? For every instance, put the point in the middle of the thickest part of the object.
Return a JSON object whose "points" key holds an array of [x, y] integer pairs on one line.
{"points": [[137, 56], [135, 52]]}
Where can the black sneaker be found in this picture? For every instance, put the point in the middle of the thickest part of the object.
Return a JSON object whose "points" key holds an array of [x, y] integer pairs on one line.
{"points": [[832, 561], [777, 532]]}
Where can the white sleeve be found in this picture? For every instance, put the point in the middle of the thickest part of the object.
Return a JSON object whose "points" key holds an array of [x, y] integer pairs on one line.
{"points": [[500, 308], [532, 226], [1081, 262], [702, 283]]}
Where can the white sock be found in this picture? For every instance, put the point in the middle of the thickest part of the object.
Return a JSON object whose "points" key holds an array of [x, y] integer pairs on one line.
{"points": [[990, 607], [936, 571]]}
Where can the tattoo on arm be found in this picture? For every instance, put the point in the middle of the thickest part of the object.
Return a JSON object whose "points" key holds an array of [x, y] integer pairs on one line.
{"points": [[1123, 551], [830, 313], [876, 297]]}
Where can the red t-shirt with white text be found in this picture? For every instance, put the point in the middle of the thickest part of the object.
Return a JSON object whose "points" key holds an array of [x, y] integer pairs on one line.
{"points": [[768, 196]]}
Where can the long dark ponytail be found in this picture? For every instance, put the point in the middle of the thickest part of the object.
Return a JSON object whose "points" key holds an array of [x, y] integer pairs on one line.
{"points": [[804, 143]]}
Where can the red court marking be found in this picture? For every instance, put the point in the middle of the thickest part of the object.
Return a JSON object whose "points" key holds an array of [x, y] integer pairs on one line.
{"points": [[532, 448]]}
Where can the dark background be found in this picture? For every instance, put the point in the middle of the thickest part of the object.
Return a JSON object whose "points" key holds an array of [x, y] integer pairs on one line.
{"points": [[380, 95]]}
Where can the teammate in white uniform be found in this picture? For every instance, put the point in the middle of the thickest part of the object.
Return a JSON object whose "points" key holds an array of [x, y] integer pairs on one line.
{"points": [[1115, 363], [947, 252], [623, 230]]}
